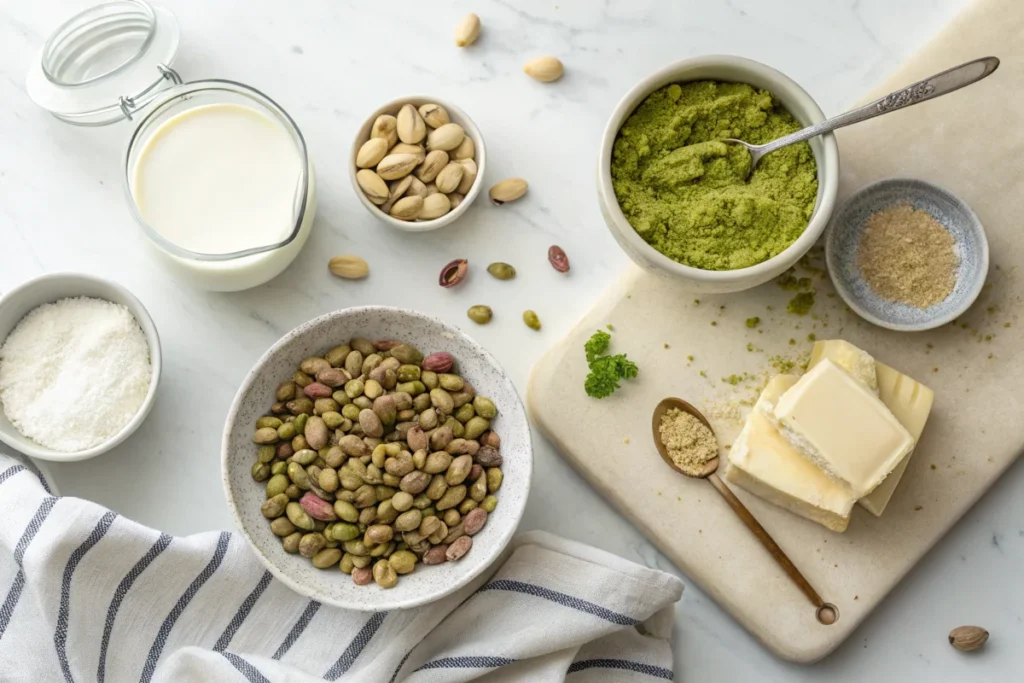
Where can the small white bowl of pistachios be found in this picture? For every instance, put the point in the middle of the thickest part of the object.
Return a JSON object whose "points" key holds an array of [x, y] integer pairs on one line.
{"points": [[418, 163]]}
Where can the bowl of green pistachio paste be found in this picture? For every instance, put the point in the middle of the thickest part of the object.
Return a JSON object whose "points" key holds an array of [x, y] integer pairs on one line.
{"points": [[678, 199]]}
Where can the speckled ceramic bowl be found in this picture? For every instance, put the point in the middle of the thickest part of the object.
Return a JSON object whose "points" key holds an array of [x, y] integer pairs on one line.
{"points": [[844, 234], [317, 336]]}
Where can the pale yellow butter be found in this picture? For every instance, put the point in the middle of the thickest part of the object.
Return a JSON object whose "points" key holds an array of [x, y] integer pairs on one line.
{"points": [[764, 463], [909, 400], [850, 358], [838, 424]]}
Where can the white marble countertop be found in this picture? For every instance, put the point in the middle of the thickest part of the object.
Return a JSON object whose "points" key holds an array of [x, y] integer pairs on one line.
{"points": [[330, 64]]}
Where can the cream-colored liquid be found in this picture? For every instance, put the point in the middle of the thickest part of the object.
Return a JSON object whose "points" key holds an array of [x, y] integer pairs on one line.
{"points": [[218, 179]]}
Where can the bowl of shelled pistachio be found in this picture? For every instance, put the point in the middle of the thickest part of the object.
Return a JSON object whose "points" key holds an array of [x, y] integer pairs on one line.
{"points": [[377, 458]]}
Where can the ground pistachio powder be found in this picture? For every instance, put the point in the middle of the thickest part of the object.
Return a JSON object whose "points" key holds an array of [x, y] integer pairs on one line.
{"points": [[685, 192], [688, 441]]}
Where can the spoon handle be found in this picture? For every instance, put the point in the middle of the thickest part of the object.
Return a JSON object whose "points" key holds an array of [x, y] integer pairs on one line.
{"points": [[766, 540], [922, 91]]}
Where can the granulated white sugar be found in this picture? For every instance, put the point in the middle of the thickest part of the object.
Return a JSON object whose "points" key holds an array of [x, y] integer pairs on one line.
{"points": [[73, 373]]}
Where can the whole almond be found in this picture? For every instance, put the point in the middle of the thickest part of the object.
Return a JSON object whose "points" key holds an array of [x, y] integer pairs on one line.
{"points": [[469, 171], [435, 206], [385, 126], [373, 186], [395, 166], [447, 137], [371, 152], [349, 267], [967, 638], [455, 198], [544, 69], [434, 115], [432, 165], [415, 150], [407, 208], [411, 128], [508, 190], [467, 30], [465, 150], [449, 178]]}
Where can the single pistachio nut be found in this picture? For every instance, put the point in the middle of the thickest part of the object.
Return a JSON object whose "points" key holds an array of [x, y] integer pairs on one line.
{"points": [[311, 544], [317, 390], [371, 152], [281, 527], [285, 391], [485, 407], [260, 471], [478, 489], [349, 267], [459, 547], [480, 314], [466, 150], [265, 435], [474, 521], [275, 506], [417, 151], [459, 470], [395, 166], [502, 271], [508, 190], [494, 479], [437, 462], [531, 320], [409, 520], [489, 503], [403, 561], [371, 424], [452, 497], [431, 188], [449, 178], [475, 427], [454, 273], [418, 188], [268, 421], [434, 162], [411, 127], [362, 576], [384, 574], [277, 483], [557, 258], [434, 115], [467, 30], [373, 186], [398, 188], [385, 126], [967, 638], [298, 517], [469, 173], [328, 557], [440, 361], [346, 511], [290, 543], [447, 137], [544, 69], [435, 206], [454, 198], [336, 356], [407, 208]]}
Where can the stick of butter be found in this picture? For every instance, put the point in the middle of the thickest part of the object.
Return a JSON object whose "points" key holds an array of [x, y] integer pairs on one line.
{"points": [[764, 463], [850, 358], [909, 400], [835, 421]]}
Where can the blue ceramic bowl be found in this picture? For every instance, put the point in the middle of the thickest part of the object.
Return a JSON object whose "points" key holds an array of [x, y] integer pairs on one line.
{"points": [[843, 236]]}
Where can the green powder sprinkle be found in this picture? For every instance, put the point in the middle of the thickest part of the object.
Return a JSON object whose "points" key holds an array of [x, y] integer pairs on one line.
{"points": [[753, 322], [801, 304]]}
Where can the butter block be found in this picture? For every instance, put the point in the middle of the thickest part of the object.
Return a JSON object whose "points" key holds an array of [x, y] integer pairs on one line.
{"points": [[765, 464], [909, 400], [855, 361], [836, 422]]}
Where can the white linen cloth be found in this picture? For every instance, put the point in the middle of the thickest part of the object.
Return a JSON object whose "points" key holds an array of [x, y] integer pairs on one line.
{"points": [[91, 596]]}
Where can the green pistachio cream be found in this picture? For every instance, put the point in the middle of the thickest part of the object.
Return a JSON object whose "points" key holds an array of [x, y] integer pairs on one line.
{"points": [[686, 192]]}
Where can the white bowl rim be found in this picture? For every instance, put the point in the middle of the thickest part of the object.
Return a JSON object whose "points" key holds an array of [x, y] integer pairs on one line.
{"points": [[847, 296], [155, 361], [480, 158], [829, 176], [506, 534]]}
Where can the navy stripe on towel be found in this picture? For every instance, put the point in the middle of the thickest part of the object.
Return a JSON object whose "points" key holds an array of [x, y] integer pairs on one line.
{"points": [[10, 472], [179, 607], [623, 664], [60, 635], [34, 469], [357, 645], [119, 595], [250, 672], [242, 613], [300, 626], [7, 609], [561, 599], [399, 667], [467, 663]]}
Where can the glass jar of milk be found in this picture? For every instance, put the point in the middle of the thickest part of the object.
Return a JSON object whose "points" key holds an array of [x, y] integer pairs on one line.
{"points": [[217, 174]]}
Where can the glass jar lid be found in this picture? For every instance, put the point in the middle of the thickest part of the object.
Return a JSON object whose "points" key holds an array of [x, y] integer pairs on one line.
{"points": [[101, 64]]}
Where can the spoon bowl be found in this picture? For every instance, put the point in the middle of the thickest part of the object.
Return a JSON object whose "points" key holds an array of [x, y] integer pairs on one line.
{"points": [[667, 404]]}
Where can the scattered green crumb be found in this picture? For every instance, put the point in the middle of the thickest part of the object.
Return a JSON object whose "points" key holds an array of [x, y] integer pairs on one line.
{"points": [[918, 508], [769, 308], [751, 348], [713, 323], [666, 345], [990, 356], [824, 324], [760, 331], [934, 467], [696, 302], [811, 337], [801, 304], [721, 308], [831, 295], [703, 374], [732, 379], [626, 440], [1007, 324], [930, 345], [991, 310], [781, 364], [792, 342], [988, 337], [753, 322], [611, 328], [689, 358], [963, 326], [815, 316], [935, 369]]}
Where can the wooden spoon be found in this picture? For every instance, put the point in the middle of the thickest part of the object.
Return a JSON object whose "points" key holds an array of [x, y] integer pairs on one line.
{"points": [[826, 612]]}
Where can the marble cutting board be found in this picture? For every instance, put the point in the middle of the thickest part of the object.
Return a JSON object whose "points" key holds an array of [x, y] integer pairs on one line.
{"points": [[970, 142]]}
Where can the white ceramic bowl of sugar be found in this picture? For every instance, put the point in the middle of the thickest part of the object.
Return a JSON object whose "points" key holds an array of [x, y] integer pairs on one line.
{"points": [[18, 302], [429, 335]]}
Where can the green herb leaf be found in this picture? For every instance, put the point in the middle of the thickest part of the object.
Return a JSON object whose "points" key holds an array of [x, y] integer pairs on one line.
{"points": [[605, 371], [597, 345]]}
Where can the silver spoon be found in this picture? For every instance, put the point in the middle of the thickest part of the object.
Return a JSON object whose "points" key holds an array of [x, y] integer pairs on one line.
{"points": [[826, 612], [928, 89]]}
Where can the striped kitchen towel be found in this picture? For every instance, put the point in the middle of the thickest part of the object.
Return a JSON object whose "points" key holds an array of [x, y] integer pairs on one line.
{"points": [[91, 596]]}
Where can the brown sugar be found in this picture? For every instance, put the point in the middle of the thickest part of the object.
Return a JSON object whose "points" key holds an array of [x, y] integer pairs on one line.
{"points": [[907, 256]]}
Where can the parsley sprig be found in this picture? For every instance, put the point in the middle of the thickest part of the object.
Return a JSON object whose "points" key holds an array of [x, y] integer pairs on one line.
{"points": [[605, 370]]}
